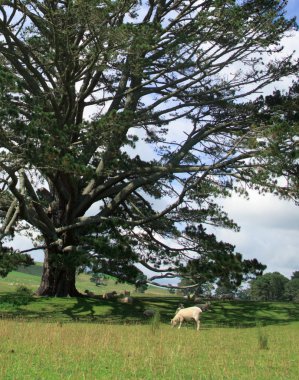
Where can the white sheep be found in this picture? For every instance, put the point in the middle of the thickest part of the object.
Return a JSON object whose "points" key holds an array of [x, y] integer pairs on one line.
{"points": [[128, 300], [187, 314]]}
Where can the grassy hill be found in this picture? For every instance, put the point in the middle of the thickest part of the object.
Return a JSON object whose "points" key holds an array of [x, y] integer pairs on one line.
{"points": [[30, 277], [14, 304], [91, 338]]}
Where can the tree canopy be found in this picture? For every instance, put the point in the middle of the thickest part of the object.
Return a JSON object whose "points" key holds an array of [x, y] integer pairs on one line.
{"points": [[122, 122], [10, 260], [280, 111], [269, 287], [219, 264]]}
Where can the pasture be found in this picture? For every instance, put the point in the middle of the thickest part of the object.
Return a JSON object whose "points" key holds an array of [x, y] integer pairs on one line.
{"points": [[98, 351], [90, 339]]}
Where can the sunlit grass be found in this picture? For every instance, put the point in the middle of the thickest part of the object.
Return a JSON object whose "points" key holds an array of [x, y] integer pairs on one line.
{"points": [[93, 351], [91, 338], [30, 277]]}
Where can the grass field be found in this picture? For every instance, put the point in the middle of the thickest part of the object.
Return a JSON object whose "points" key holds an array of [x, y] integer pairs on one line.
{"points": [[79, 351], [30, 277], [77, 339]]}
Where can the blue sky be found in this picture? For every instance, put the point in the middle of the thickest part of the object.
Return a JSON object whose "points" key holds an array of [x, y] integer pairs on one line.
{"points": [[293, 8]]}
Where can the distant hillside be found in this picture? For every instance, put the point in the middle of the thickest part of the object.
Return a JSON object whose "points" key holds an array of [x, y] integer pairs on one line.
{"points": [[30, 277], [34, 270]]}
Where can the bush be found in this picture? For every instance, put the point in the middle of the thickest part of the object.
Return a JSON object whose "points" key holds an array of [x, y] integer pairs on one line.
{"points": [[22, 296]]}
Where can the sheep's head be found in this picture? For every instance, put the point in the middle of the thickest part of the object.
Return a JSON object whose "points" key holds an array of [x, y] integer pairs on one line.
{"points": [[173, 322]]}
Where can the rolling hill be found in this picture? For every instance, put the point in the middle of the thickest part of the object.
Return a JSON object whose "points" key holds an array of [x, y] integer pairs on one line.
{"points": [[30, 277]]}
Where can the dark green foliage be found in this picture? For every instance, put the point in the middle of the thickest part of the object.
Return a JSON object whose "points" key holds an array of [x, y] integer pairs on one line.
{"points": [[269, 287], [10, 260], [280, 111], [218, 263], [292, 288], [110, 253], [141, 283], [22, 296]]}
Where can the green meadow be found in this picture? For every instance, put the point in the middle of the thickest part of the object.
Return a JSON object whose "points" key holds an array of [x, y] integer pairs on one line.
{"points": [[90, 338]]}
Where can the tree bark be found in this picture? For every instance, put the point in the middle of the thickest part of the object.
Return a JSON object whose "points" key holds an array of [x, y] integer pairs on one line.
{"points": [[58, 279]]}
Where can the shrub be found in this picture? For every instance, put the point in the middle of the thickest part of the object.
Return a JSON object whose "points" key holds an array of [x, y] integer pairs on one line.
{"points": [[22, 296]]}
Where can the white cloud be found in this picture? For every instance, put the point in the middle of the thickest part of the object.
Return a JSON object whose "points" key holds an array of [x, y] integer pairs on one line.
{"points": [[269, 231], [269, 225], [262, 210]]}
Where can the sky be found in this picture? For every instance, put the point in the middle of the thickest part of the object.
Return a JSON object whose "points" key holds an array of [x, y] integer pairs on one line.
{"points": [[269, 226], [293, 8]]}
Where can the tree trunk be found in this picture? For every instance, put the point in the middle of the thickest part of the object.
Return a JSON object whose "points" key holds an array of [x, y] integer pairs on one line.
{"points": [[58, 279]]}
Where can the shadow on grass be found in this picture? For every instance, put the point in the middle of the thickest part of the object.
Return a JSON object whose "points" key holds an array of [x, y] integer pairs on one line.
{"points": [[22, 296], [115, 312], [251, 313], [94, 310]]}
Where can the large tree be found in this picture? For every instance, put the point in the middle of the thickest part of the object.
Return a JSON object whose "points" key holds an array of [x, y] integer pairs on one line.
{"points": [[269, 287], [292, 287], [122, 122]]}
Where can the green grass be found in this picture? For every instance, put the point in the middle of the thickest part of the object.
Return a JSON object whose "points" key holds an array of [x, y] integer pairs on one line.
{"points": [[30, 277], [93, 351], [223, 314], [90, 338]]}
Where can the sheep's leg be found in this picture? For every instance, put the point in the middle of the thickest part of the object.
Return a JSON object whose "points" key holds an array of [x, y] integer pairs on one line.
{"points": [[180, 324], [198, 325]]}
